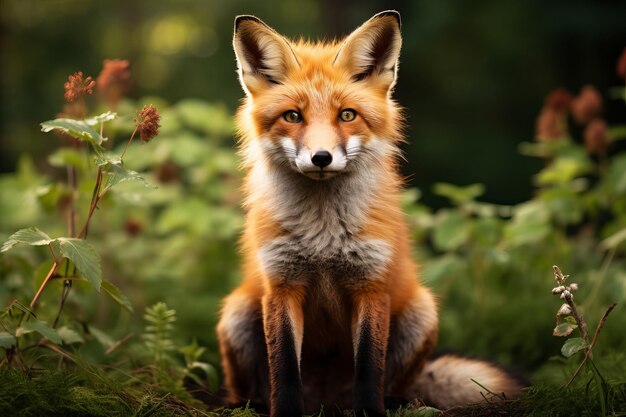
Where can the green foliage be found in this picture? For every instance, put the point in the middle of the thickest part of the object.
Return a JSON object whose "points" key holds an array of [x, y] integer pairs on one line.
{"points": [[175, 245], [62, 393], [158, 333], [40, 327], [573, 345], [79, 129], [31, 236], [85, 257], [117, 295]]}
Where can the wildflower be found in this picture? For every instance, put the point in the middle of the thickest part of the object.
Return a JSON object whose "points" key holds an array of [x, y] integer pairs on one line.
{"points": [[587, 105], [566, 294], [621, 65], [596, 137], [552, 121], [559, 99], [573, 287], [114, 80], [558, 290], [147, 122], [565, 310], [76, 87], [551, 125]]}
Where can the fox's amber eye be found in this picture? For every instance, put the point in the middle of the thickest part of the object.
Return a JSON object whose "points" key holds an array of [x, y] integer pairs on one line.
{"points": [[347, 115], [292, 116]]}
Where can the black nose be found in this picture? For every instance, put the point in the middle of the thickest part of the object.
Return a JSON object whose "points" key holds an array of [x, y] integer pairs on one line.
{"points": [[322, 159]]}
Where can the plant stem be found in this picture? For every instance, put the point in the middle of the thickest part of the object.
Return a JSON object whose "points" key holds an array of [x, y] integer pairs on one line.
{"points": [[71, 179], [43, 284], [95, 198], [593, 342], [67, 286], [71, 230], [128, 143]]}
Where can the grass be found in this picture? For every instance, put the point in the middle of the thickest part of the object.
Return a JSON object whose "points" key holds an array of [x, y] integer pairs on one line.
{"points": [[79, 392]]}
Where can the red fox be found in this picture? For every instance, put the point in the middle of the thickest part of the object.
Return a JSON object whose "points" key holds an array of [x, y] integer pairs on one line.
{"points": [[330, 311]]}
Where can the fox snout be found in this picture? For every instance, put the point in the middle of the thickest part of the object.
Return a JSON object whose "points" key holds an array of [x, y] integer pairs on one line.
{"points": [[322, 158], [321, 164]]}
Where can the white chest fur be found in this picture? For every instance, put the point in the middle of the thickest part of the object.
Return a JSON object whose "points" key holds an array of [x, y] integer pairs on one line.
{"points": [[322, 220]]}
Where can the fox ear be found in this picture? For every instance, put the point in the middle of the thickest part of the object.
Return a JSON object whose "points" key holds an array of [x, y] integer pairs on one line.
{"points": [[263, 56], [372, 50]]}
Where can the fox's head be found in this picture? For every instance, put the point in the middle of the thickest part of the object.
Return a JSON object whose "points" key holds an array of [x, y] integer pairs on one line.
{"points": [[321, 109]]}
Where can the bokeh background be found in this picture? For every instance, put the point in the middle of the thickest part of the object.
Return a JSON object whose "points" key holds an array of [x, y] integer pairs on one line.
{"points": [[473, 78], [472, 75]]}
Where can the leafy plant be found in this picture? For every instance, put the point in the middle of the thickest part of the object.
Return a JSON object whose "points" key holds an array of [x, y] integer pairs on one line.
{"points": [[80, 259], [567, 313], [167, 373], [158, 333]]}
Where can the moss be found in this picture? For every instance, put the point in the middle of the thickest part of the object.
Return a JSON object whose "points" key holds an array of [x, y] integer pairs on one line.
{"points": [[60, 393]]}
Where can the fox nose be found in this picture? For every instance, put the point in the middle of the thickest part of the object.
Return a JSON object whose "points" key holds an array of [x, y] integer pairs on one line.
{"points": [[322, 159]]}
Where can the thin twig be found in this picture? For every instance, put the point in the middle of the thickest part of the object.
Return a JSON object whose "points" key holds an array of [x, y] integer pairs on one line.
{"points": [[71, 179], [128, 143], [52, 252], [58, 350], [94, 203], [119, 343], [43, 285], [593, 342], [67, 286]]}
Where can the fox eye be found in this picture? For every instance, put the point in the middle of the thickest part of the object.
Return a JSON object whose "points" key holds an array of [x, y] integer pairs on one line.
{"points": [[292, 116], [347, 115]]}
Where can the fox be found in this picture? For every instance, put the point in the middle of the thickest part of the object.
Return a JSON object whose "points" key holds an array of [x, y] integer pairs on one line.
{"points": [[330, 312]]}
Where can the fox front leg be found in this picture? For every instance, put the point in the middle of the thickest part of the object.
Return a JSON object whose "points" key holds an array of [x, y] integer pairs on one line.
{"points": [[283, 326], [370, 324]]}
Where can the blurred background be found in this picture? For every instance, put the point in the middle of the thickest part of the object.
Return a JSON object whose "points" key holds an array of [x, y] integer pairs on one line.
{"points": [[472, 75], [473, 78]]}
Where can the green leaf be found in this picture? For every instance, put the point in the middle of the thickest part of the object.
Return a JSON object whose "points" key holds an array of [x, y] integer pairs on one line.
{"points": [[451, 231], [103, 338], [31, 236], [459, 195], [530, 224], [617, 132], [117, 173], [101, 118], [85, 257], [67, 157], [69, 336], [425, 411], [564, 329], [563, 170], [209, 371], [76, 128], [117, 295], [205, 117], [614, 240], [49, 195], [616, 175], [43, 329], [573, 345], [444, 268], [7, 340]]}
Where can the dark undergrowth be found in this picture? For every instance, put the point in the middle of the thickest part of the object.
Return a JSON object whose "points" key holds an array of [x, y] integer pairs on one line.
{"points": [[92, 393]]}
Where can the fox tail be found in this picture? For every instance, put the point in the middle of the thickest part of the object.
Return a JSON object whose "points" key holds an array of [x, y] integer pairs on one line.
{"points": [[450, 380]]}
